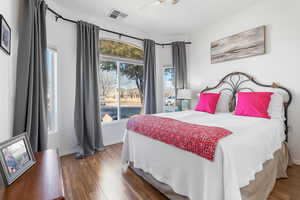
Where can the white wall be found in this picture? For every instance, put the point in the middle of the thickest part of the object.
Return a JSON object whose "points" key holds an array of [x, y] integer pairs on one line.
{"points": [[280, 64], [62, 37], [9, 9]]}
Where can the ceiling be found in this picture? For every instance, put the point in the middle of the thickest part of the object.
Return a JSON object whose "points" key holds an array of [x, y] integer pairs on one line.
{"points": [[164, 19]]}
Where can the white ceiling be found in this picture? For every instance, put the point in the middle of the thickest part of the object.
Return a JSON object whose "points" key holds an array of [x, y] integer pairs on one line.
{"points": [[165, 19]]}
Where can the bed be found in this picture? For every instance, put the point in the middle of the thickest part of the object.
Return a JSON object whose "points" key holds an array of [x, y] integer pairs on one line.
{"points": [[246, 163]]}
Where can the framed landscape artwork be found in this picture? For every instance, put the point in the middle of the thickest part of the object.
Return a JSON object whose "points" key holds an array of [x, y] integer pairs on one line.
{"points": [[241, 45], [5, 35], [15, 158]]}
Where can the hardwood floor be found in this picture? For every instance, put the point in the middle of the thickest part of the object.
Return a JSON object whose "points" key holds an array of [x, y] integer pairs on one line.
{"points": [[100, 177]]}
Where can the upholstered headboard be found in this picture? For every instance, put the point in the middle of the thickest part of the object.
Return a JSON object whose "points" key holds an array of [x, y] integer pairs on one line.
{"points": [[239, 81]]}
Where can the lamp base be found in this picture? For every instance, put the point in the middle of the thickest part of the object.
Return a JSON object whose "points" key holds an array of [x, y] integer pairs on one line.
{"points": [[185, 105]]}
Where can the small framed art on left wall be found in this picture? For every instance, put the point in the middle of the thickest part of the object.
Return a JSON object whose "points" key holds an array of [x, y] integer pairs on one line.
{"points": [[5, 35], [16, 157]]}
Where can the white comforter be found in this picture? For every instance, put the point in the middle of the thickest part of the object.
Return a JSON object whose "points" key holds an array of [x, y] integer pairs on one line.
{"points": [[238, 156]]}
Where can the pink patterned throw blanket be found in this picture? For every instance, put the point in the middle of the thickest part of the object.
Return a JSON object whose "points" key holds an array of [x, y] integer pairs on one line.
{"points": [[198, 139]]}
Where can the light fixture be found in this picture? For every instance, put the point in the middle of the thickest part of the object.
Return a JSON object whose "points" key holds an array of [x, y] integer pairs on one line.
{"points": [[168, 1], [184, 95]]}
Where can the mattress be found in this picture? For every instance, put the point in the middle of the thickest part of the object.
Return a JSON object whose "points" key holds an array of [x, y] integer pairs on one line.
{"points": [[238, 156], [260, 188]]}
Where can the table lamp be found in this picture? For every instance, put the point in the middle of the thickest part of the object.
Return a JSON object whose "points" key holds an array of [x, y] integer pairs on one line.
{"points": [[185, 95]]}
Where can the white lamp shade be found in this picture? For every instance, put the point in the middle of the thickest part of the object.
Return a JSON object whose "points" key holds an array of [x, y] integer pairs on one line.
{"points": [[184, 94]]}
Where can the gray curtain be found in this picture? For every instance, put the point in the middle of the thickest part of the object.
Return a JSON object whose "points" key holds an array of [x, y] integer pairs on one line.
{"points": [[180, 66], [149, 77], [87, 110], [31, 83], [179, 63]]}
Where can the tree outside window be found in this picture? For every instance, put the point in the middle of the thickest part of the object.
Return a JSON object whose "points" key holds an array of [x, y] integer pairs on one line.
{"points": [[121, 80]]}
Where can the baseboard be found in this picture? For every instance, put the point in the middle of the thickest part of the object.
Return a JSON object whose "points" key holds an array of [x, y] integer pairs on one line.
{"points": [[72, 151], [67, 152], [112, 142], [296, 162]]}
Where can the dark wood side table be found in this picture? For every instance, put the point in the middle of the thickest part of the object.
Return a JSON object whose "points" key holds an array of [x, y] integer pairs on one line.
{"points": [[43, 181]]}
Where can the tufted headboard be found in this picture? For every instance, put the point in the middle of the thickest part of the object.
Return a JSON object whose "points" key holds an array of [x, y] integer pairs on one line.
{"points": [[238, 81]]}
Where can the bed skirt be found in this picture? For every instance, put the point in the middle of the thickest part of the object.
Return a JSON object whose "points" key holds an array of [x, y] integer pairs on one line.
{"points": [[260, 188]]}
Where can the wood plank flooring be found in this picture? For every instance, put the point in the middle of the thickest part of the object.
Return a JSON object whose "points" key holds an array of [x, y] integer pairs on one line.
{"points": [[100, 177]]}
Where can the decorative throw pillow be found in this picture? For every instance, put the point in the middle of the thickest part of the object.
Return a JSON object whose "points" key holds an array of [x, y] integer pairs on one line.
{"points": [[253, 104], [208, 102]]}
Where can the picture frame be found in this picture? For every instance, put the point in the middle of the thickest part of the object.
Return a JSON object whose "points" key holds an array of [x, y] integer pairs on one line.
{"points": [[5, 35], [16, 157], [245, 44]]}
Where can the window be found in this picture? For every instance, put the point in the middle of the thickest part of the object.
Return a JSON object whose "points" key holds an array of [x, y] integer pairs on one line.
{"points": [[120, 49], [121, 80], [169, 89], [52, 90]]}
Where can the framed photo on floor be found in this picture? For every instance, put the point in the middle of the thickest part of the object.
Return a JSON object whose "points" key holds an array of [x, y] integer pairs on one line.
{"points": [[5, 35], [16, 157]]}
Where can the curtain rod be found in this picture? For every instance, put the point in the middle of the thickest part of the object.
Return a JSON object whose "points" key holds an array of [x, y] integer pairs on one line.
{"points": [[58, 16]]}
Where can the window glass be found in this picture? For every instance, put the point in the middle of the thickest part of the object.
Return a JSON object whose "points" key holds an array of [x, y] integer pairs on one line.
{"points": [[108, 91], [52, 90], [169, 89], [120, 49], [131, 90]]}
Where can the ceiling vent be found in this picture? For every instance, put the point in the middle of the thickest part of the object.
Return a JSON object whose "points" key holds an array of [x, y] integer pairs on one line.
{"points": [[115, 14]]}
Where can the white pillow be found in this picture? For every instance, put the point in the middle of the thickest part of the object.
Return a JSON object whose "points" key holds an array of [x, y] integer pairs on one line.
{"points": [[223, 102], [276, 108]]}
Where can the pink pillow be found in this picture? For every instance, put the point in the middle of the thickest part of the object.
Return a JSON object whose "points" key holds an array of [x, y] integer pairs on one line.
{"points": [[208, 102], [253, 104]]}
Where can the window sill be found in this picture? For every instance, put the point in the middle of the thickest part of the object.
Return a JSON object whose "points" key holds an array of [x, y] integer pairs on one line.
{"points": [[114, 122]]}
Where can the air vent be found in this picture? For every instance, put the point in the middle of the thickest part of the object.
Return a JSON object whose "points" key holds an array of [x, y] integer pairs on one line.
{"points": [[115, 14]]}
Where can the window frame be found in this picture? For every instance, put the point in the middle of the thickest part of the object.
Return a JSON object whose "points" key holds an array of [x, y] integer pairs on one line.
{"points": [[55, 90], [118, 60]]}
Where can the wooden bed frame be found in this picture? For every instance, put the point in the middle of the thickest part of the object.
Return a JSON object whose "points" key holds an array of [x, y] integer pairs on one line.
{"points": [[235, 81]]}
